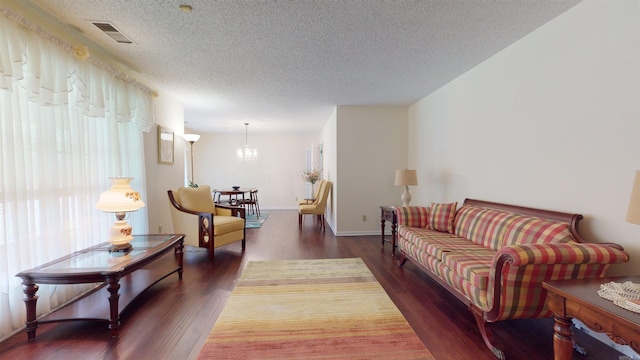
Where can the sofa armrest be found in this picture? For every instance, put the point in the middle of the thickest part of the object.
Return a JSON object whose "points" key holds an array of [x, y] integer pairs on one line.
{"points": [[518, 271], [563, 253]]}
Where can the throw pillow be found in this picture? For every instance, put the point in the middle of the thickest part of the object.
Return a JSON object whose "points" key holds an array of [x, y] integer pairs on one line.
{"points": [[415, 216], [197, 199], [441, 217]]}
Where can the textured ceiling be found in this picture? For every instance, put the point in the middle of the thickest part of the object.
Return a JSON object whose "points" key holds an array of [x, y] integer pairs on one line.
{"points": [[283, 66]]}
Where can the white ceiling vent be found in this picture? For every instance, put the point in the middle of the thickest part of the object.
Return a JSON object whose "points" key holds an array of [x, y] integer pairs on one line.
{"points": [[113, 32]]}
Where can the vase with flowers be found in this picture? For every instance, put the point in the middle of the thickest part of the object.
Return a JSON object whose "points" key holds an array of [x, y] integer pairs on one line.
{"points": [[311, 176]]}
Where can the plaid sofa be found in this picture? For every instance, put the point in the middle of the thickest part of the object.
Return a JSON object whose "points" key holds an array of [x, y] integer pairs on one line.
{"points": [[494, 257]]}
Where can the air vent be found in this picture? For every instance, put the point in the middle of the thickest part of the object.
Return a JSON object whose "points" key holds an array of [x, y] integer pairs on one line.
{"points": [[113, 32]]}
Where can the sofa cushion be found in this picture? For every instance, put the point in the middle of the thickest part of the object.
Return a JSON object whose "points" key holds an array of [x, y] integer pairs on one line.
{"points": [[197, 199], [532, 230], [441, 217], [489, 226], [464, 217], [226, 224], [435, 243], [473, 266], [416, 216]]}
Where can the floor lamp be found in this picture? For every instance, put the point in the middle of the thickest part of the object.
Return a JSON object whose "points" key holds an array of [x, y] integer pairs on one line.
{"points": [[191, 138]]}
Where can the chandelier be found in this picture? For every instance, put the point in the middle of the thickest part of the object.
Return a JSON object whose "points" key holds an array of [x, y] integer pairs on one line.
{"points": [[247, 154]]}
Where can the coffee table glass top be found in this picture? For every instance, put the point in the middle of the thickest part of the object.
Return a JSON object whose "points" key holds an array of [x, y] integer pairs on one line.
{"points": [[99, 258]]}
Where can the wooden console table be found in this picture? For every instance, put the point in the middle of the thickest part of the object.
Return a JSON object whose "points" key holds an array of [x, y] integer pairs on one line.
{"points": [[579, 299], [388, 213], [97, 265]]}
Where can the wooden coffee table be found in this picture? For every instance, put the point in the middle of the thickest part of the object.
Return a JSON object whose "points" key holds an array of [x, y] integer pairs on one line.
{"points": [[579, 299], [97, 265]]}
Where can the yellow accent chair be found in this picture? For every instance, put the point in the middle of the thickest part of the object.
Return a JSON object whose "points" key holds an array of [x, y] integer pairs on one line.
{"points": [[205, 224], [319, 205], [315, 195]]}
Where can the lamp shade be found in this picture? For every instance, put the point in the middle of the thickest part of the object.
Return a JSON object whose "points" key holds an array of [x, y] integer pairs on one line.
{"points": [[406, 177], [191, 137], [633, 213], [120, 198]]}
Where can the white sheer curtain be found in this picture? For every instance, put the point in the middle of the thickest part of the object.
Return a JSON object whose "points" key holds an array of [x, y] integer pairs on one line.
{"points": [[66, 126]]}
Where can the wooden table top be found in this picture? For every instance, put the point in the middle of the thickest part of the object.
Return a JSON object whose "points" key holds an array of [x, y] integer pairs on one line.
{"points": [[231, 191], [585, 292]]}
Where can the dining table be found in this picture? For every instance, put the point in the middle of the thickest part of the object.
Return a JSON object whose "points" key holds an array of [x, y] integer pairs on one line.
{"points": [[233, 193]]}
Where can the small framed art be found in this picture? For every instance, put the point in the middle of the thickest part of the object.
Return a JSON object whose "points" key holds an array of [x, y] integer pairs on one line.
{"points": [[165, 145]]}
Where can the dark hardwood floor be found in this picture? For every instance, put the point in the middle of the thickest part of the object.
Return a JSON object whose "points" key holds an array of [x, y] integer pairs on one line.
{"points": [[171, 320]]}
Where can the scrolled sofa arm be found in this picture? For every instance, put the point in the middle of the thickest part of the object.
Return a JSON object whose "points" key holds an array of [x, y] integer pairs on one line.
{"points": [[562, 253], [518, 271]]}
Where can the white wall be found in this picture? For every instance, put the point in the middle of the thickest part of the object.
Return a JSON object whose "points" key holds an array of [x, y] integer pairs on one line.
{"points": [[162, 177], [552, 122], [276, 173], [371, 145], [330, 162]]}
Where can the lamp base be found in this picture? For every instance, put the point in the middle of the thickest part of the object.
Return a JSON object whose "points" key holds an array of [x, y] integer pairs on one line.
{"points": [[124, 248], [406, 197], [121, 238]]}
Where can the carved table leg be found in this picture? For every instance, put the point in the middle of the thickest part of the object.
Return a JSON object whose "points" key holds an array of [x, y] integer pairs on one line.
{"points": [[30, 300], [180, 255], [394, 236], [562, 338], [114, 319], [382, 223]]}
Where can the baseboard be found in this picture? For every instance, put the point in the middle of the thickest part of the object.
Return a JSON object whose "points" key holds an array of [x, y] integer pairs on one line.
{"points": [[357, 233]]}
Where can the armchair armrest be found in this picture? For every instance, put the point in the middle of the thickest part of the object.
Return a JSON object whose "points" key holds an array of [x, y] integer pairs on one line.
{"points": [[230, 210]]}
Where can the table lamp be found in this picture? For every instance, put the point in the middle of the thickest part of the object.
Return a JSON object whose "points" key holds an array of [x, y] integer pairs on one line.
{"points": [[633, 213], [120, 199], [406, 178]]}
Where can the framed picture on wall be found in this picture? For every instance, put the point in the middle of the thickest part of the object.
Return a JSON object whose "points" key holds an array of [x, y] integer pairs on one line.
{"points": [[165, 145]]}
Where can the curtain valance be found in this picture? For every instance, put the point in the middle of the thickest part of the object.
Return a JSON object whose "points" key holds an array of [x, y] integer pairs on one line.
{"points": [[46, 67]]}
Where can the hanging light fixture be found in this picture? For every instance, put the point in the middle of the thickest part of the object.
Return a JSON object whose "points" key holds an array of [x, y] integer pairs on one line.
{"points": [[247, 154]]}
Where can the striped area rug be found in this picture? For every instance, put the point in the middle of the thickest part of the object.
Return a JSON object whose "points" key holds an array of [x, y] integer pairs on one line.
{"points": [[311, 309]]}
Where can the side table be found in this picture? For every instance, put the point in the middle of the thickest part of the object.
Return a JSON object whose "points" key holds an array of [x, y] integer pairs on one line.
{"points": [[579, 299], [388, 213]]}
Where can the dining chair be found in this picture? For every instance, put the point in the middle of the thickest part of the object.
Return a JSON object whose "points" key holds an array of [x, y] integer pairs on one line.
{"points": [[251, 204]]}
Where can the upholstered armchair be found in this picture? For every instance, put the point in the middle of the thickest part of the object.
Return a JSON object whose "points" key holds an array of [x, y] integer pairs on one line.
{"points": [[319, 205], [204, 223]]}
